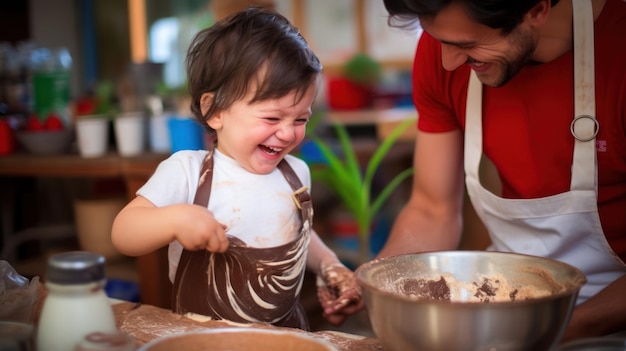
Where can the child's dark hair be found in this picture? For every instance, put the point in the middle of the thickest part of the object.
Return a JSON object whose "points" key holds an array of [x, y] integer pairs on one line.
{"points": [[254, 45]]}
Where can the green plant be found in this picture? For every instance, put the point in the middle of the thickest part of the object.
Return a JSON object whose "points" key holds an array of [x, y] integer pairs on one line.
{"points": [[104, 99], [363, 69], [343, 175]]}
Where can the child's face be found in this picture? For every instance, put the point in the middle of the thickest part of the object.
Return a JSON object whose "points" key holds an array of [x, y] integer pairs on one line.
{"points": [[259, 135]]}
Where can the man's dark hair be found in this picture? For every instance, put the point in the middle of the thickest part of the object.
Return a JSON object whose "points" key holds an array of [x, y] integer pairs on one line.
{"points": [[497, 14], [252, 46]]}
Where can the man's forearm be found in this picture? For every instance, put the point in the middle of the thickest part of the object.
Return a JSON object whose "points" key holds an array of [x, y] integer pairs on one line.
{"points": [[603, 314]]}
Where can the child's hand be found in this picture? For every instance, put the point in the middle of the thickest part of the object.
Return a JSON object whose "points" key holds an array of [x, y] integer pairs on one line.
{"points": [[197, 229], [338, 292]]}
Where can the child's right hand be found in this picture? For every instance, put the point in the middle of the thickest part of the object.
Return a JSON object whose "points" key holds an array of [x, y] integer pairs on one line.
{"points": [[197, 229]]}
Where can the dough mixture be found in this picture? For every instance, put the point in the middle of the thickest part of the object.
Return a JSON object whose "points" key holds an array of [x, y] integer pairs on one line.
{"points": [[493, 288]]}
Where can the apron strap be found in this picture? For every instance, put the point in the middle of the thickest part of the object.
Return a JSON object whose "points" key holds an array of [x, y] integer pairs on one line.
{"points": [[473, 126], [584, 127], [206, 179], [300, 195]]}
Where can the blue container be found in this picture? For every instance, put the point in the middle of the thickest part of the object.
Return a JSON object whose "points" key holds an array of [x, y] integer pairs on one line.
{"points": [[122, 290], [185, 134]]}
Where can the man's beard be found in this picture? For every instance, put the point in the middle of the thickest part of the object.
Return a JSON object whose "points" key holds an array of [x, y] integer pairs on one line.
{"points": [[524, 46]]}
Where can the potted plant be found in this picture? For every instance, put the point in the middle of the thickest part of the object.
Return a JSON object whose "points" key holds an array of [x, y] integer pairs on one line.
{"points": [[343, 175], [354, 88], [93, 114]]}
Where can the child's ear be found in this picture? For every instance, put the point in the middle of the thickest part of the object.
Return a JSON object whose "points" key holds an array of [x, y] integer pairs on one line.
{"points": [[205, 102]]}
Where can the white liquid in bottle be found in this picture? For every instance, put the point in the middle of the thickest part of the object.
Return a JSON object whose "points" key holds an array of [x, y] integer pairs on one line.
{"points": [[76, 304]]}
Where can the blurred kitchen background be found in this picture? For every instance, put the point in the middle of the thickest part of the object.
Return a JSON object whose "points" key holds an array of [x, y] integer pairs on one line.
{"points": [[72, 58]]}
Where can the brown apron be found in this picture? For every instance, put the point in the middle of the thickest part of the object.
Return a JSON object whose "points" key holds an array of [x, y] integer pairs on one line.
{"points": [[246, 284]]}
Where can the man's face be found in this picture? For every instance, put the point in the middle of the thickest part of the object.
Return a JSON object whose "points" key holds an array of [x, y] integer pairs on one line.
{"points": [[496, 58]]}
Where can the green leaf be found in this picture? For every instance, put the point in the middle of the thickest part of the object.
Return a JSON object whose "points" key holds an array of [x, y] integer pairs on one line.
{"points": [[351, 164], [389, 189], [344, 177], [382, 150]]}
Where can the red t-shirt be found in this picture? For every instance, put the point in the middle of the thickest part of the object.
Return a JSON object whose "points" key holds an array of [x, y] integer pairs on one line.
{"points": [[526, 123]]}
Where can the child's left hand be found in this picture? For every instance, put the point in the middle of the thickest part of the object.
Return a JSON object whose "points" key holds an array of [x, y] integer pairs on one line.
{"points": [[338, 292]]}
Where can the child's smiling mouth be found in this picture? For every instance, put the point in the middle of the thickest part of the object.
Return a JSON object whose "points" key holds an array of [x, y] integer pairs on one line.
{"points": [[271, 150]]}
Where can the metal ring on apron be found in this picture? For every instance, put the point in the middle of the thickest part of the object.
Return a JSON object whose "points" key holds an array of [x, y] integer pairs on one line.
{"points": [[595, 131]]}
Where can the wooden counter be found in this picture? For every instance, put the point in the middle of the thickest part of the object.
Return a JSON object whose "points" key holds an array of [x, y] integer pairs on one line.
{"points": [[145, 323], [153, 282]]}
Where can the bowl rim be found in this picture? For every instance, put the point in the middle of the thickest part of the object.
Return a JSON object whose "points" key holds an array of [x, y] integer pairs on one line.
{"points": [[602, 341], [219, 330], [66, 130], [574, 289]]}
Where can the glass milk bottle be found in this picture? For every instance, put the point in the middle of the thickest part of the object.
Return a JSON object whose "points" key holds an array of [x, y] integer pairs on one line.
{"points": [[76, 304]]}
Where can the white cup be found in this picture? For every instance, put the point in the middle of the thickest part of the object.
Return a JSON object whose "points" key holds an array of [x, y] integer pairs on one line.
{"points": [[92, 134], [159, 133], [129, 133]]}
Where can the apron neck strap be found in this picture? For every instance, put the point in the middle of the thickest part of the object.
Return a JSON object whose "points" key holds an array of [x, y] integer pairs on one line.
{"points": [[584, 126]]}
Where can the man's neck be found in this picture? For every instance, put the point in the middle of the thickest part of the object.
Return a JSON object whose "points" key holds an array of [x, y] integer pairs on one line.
{"points": [[555, 37]]}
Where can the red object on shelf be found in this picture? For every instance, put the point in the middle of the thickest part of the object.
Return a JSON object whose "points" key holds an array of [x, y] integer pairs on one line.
{"points": [[85, 106], [343, 94], [53, 122], [33, 124], [7, 138]]}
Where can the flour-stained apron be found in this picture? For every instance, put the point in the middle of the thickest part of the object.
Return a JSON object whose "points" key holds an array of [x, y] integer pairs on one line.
{"points": [[247, 284], [566, 226]]}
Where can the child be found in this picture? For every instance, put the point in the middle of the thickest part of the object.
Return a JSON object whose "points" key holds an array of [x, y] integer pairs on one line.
{"points": [[237, 217]]}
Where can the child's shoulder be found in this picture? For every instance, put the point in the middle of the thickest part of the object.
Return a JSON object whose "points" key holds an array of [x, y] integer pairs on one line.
{"points": [[188, 156], [296, 163], [301, 169], [185, 160]]}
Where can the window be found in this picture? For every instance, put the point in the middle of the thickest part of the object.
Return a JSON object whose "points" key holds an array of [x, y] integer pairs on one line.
{"points": [[336, 29]]}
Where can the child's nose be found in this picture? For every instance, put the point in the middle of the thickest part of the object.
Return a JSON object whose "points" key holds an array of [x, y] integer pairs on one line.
{"points": [[286, 132]]}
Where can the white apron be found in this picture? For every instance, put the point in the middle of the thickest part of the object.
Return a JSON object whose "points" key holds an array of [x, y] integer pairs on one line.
{"points": [[566, 226]]}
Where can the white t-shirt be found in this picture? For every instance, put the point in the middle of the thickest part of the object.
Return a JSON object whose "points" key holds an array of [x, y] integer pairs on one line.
{"points": [[256, 208]]}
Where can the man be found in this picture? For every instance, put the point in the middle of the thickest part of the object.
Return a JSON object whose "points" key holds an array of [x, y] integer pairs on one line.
{"points": [[560, 155]]}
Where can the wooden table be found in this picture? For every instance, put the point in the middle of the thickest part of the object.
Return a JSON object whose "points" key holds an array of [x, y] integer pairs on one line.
{"points": [[152, 268], [146, 323]]}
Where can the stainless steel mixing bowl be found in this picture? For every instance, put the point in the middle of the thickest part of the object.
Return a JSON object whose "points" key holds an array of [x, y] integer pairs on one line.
{"points": [[402, 322], [239, 339]]}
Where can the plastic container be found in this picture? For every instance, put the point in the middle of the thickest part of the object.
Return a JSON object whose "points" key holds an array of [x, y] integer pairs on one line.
{"points": [[159, 135], [185, 134], [129, 133], [92, 134], [51, 81], [7, 138], [76, 304]]}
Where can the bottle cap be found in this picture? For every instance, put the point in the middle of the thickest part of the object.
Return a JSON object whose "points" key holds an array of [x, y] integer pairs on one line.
{"points": [[76, 267]]}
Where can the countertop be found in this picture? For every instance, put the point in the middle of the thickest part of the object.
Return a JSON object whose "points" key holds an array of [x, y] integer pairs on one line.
{"points": [[146, 322]]}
